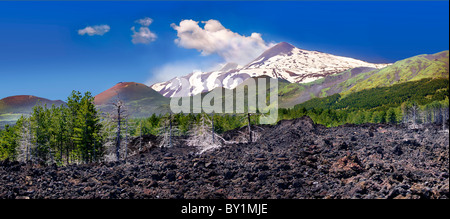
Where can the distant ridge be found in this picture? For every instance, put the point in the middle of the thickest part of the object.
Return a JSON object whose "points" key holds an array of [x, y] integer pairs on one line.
{"points": [[126, 91], [24, 103]]}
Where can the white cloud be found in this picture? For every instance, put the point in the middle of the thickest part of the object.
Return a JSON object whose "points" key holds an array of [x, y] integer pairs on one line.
{"points": [[171, 70], [144, 35], [180, 68], [94, 30], [214, 38], [145, 21]]}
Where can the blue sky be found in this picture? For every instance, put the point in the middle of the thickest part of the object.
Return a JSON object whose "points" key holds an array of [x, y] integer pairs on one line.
{"points": [[42, 52]]}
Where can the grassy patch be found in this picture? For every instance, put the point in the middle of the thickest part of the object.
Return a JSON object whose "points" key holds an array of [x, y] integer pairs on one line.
{"points": [[9, 117]]}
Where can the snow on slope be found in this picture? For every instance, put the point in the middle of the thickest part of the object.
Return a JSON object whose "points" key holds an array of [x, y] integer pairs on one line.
{"points": [[282, 61]]}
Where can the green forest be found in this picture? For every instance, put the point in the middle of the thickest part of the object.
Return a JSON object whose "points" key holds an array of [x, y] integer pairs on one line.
{"points": [[428, 98], [80, 133], [64, 134]]}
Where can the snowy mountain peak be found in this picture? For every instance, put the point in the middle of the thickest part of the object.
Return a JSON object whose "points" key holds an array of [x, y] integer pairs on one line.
{"points": [[278, 49], [229, 66], [282, 48], [282, 61]]}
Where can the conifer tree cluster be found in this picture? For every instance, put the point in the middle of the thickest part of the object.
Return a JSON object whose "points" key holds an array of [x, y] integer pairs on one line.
{"points": [[63, 135]]}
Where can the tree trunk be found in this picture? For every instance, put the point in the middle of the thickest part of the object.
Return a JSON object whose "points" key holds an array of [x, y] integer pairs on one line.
{"points": [[444, 118], [118, 134], [140, 136], [250, 137], [212, 130], [126, 142], [67, 154], [95, 144], [61, 151], [170, 130]]}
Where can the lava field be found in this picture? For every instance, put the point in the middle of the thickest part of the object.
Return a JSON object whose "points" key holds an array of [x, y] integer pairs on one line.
{"points": [[294, 159]]}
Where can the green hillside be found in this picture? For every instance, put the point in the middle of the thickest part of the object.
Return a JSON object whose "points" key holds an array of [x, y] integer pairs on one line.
{"points": [[291, 94], [381, 98], [353, 80], [411, 69]]}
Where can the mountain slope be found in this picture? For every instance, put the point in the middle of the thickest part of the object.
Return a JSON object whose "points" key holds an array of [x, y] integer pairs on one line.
{"points": [[291, 94], [140, 99], [410, 69], [301, 66], [13, 107], [24, 103], [422, 91], [434, 66], [282, 61]]}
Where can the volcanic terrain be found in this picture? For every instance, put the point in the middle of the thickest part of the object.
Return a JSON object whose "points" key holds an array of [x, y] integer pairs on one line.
{"points": [[293, 159]]}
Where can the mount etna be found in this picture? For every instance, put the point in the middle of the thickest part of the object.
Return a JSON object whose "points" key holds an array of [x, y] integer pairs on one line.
{"points": [[282, 61], [346, 128], [302, 75]]}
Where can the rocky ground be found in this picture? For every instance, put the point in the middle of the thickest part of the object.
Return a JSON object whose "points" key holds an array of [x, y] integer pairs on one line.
{"points": [[293, 159]]}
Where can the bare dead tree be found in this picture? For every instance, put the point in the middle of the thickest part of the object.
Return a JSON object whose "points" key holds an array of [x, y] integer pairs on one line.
{"points": [[118, 106], [437, 114], [427, 115], [212, 128], [252, 135], [120, 117], [415, 111], [126, 139], [411, 115], [140, 135], [25, 142], [203, 137], [445, 116], [167, 131], [109, 133], [170, 130]]}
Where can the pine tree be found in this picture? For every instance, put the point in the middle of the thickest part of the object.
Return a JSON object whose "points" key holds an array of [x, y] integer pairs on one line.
{"points": [[8, 143], [39, 119], [73, 108], [87, 131], [391, 116]]}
